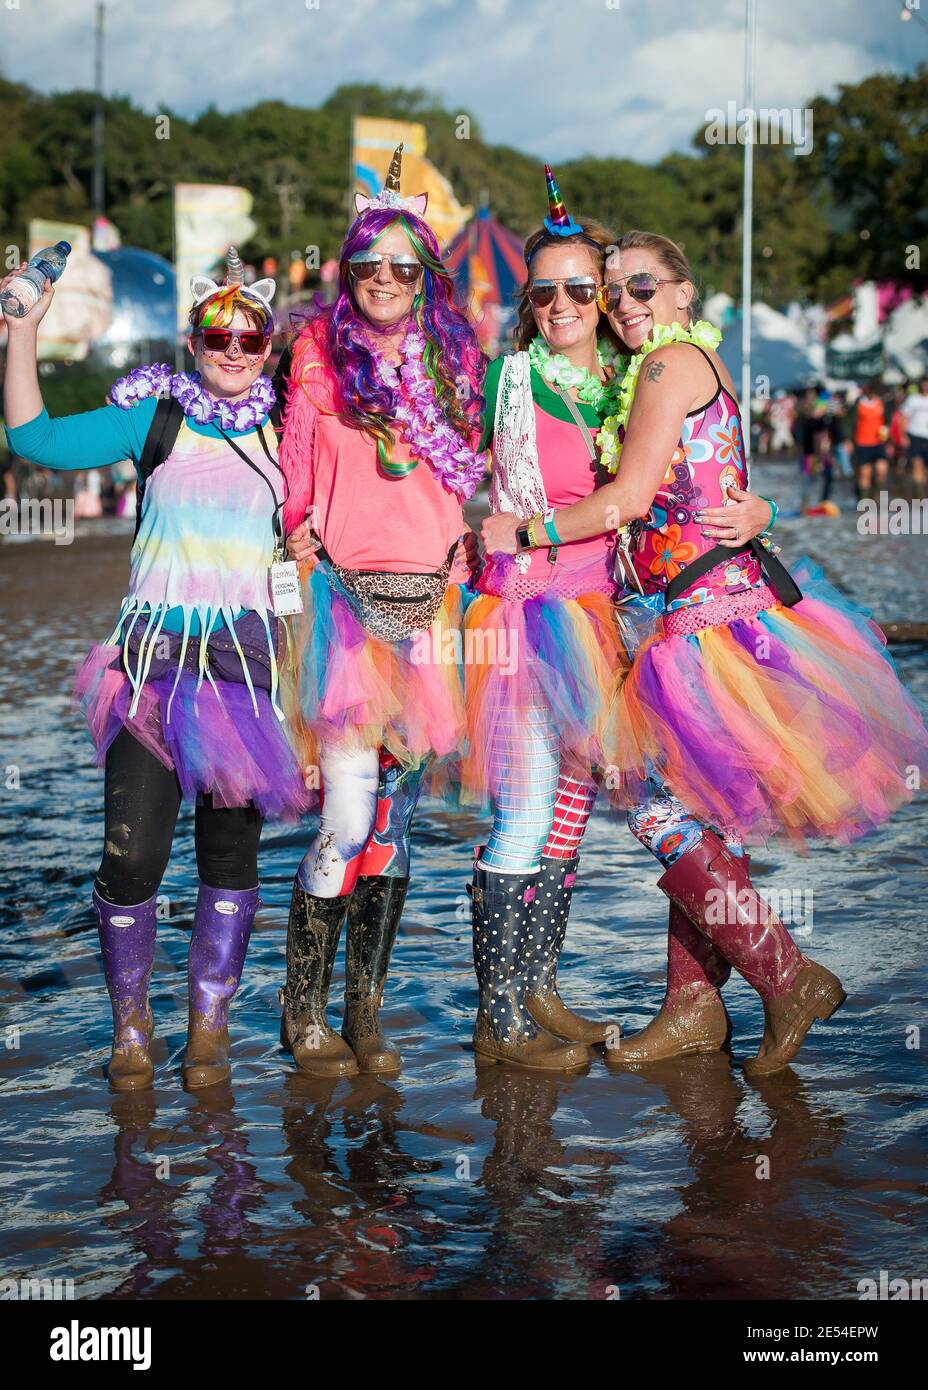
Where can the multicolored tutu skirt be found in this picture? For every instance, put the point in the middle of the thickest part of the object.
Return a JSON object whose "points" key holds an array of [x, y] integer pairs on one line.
{"points": [[209, 733], [560, 649], [777, 723], [406, 697]]}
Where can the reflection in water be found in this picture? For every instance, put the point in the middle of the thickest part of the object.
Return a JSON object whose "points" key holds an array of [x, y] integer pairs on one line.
{"points": [[445, 1182]]}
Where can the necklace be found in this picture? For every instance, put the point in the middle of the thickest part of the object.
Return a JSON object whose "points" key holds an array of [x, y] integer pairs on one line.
{"points": [[423, 423], [240, 415], [703, 334], [560, 371]]}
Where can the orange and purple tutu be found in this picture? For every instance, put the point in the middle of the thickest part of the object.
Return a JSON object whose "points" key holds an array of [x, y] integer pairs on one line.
{"points": [[557, 646]]}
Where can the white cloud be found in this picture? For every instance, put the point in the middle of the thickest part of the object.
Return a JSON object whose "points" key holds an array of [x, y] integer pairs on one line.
{"points": [[556, 78]]}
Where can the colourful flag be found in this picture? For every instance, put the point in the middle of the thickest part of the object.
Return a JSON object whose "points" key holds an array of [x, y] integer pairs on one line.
{"points": [[208, 219], [373, 143]]}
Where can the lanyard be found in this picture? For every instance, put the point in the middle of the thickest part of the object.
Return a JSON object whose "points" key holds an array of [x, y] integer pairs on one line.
{"points": [[275, 519]]}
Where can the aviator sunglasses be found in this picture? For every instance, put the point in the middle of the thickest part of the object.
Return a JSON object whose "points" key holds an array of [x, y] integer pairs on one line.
{"points": [[582, 289], [641, 286], [252, 341], [364, 265]]}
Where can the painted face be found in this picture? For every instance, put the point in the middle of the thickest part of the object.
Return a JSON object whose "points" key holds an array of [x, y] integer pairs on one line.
{"points": [[383, 299], [633, 319], [564, 323], [229, 371]]}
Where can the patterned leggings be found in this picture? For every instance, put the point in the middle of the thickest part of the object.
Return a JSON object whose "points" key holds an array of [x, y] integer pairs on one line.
{"points": [[367, 808]]}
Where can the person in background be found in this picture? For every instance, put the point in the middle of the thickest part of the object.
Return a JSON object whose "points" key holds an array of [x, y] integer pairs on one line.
{"points": [[870, 460], [898, 434], [815, 438], [842, 434], [915, 410]]}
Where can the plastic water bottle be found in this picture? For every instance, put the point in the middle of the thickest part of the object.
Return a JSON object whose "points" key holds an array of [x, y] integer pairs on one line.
{"points": [[27, 289]]}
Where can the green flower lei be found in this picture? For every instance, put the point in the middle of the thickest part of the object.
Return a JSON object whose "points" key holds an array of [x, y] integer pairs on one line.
{"points": [[557, 369], [703, 334]]}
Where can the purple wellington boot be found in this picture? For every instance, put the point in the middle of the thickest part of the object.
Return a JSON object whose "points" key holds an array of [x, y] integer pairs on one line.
{"points": [[221, 930], [127, 940]]}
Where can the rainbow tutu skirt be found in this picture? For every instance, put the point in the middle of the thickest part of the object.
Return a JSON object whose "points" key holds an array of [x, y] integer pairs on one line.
{"points": [[781, 723], [559, 648]]}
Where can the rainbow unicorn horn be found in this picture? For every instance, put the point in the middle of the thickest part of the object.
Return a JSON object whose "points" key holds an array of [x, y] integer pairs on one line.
{"points": [[559, 221]]}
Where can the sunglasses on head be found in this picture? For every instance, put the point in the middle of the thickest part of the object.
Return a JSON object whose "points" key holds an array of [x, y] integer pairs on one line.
{"points": [[582, 289], [364, 265], [252, 341], [641, 286]]}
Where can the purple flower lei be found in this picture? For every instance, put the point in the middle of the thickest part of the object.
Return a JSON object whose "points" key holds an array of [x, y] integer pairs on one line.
{"points": [[159, 380], [423, 423]]}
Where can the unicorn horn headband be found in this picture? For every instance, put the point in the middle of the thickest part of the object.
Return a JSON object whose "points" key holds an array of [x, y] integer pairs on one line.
{"points": [[389, 195], [559, 221], [202, 288]]}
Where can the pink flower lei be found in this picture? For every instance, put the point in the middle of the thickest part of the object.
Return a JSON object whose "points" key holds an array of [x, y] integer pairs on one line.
{"points": [[424, 426], [159, 380]]}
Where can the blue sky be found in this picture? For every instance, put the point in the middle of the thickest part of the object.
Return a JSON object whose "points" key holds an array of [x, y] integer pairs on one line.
{"points": [[555, 78]]}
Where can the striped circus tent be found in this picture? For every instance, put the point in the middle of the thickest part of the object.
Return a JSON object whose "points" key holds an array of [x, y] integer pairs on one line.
{"points": [[485, 259]]}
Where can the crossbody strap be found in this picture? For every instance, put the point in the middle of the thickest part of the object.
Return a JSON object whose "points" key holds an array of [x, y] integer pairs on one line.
{"points": [[785, 586], [581, 424]]}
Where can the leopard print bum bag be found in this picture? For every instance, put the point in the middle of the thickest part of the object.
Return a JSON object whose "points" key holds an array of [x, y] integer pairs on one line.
{"points": [[392, 607]]}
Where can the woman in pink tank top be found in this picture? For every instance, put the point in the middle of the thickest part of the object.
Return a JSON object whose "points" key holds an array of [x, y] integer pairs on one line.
{"points": [[752, 710]]}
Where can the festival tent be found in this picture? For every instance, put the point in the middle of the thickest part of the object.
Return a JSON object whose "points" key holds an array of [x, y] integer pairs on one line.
{"points": [[781, 350], [485, 260]]}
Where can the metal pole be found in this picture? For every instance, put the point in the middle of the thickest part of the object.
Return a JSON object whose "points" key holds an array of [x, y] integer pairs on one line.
{"points": [[747, 224], [98, 184]]}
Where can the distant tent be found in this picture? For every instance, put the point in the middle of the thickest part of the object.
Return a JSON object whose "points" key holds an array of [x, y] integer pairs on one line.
{"points": [[485, 260]]}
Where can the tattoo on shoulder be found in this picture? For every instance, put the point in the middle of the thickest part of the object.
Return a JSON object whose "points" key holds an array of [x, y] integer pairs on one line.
{"points": [[654, 371]]}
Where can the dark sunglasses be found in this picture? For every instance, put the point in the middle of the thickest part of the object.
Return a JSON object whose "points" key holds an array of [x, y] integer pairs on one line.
{"points": [[252, 341], [405, 269], [580, 288], [641, 286]]}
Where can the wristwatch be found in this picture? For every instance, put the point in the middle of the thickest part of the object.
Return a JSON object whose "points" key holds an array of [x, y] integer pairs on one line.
{"points": [[522, 537]]}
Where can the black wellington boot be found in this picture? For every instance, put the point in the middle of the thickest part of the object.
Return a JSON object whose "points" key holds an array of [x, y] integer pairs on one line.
{"points": [[505, 1031], [312, 944], [551, 910], [374, 912]]}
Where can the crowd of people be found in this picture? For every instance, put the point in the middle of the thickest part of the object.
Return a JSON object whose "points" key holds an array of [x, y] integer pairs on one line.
{"points": [[310, 625], [875, 435]]}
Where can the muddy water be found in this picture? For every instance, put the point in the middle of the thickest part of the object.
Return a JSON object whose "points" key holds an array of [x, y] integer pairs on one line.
{"points": [[447, 1181]]}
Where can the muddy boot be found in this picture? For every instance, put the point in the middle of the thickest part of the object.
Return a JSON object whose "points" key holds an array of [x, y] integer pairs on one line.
{"points": [[221, 931], [505, 1031], [714, 888], [312, 945], [127, 940], [550, 911], [374, 912], [692, 1019]]}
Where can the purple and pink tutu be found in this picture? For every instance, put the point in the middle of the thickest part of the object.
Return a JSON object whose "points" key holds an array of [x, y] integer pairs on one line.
{"points": [[212, 738], [775, 722]]}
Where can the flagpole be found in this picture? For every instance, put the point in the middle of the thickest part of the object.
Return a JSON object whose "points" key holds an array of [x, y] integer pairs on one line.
{"points": [[747, 224]]}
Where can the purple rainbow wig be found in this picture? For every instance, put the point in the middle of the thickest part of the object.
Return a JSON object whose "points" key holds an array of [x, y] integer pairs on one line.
{"points": [[453, 358]]}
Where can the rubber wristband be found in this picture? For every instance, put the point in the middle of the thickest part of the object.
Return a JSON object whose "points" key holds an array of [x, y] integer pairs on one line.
{"points": [[532, 532], [551, 531], [774, 511]]}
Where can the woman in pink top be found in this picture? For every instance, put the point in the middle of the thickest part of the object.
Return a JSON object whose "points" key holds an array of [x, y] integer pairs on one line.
{"points": [[379, 451], [543, 650]]}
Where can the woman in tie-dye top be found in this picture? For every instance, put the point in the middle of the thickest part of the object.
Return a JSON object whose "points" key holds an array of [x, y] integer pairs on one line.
{"points": [[746, 714], [182, 700]]}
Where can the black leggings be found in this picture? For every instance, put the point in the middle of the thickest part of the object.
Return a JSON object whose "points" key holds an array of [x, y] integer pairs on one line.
{"points": [[141, 801]]}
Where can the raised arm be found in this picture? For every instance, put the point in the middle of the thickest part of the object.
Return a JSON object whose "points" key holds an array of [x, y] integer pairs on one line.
{"points": [[91, 439]]}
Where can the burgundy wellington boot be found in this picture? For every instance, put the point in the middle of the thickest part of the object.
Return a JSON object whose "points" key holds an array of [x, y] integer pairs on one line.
{"points": [[714, 889]]}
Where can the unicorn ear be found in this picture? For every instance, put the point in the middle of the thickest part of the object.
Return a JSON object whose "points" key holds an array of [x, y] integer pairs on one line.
{"points": [[361, 203], [418, 203], [201, 287], [262, 289]]}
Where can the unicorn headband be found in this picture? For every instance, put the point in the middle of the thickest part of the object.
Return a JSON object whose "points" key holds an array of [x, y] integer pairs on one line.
{"points": [[202, 288], [559, 221], [389, 195]]}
